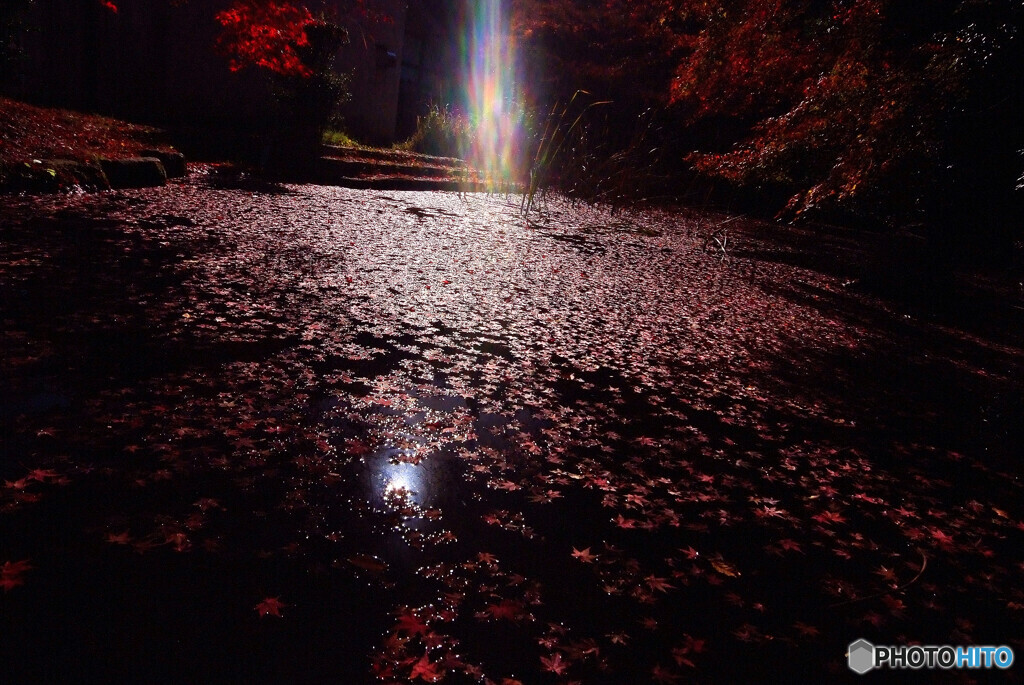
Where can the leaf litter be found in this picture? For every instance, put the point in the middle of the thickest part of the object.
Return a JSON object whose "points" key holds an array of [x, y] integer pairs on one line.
{"points": [[468, 447]]}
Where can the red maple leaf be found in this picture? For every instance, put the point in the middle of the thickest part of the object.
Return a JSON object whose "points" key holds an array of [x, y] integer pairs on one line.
{"points": [[41, 474], [124, 538], [424, 669], [207, 503], [805, 629], [555, 664], [829, 517], [941, 537], [583, 555], [508, 609], [790, 545], [178, 539], [895, 605], [694, 644], [271, 606], [623, 522], [409, 623], [766, 512], [11, 572], [659, 584], [690, 552], [887, 574]]}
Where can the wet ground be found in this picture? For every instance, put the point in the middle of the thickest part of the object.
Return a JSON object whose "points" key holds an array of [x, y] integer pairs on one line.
{"points": [[257, 433]]}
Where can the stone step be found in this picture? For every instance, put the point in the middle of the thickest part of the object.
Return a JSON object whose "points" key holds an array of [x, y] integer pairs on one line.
{"points": [[342, 167], [381, 169], [399, 182], [394, 156]]}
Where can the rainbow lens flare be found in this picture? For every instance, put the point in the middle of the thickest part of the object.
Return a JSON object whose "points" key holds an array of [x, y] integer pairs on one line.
{"points": [[495, 106]]}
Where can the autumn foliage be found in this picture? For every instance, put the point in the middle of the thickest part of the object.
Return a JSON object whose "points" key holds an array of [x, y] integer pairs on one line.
{"points": [[841, 103], [846, 100], [265, 34], [270, 34]]}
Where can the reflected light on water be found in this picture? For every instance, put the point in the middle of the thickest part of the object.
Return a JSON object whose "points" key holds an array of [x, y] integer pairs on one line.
{"points": [[489, 77], [402, 480], [401, 477]]}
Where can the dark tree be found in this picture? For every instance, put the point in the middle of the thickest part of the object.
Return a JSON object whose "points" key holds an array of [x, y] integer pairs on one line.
{"points": [[900, 110]]}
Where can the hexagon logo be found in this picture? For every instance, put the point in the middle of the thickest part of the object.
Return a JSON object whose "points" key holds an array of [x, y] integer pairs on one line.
{"points": [[861, 656]]}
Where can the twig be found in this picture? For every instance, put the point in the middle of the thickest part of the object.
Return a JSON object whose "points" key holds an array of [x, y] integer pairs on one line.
{"points": [[719, 236], [924, 565]]}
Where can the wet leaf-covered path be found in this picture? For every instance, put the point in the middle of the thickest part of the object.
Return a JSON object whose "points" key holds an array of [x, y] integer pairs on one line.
{"points": [[307, 434]]}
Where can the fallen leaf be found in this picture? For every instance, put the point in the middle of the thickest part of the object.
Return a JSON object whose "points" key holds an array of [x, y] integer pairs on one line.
{"points": [[554, 663], [271, 606]]}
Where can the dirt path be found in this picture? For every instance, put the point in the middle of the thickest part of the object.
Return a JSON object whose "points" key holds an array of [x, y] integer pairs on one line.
{"points": [[305, 434]]}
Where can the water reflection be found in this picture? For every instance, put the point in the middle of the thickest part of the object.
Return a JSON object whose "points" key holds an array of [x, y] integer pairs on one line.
{"points": [[402, 479], [393, 474]]}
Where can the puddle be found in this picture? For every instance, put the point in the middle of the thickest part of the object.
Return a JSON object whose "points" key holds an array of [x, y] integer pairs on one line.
{"points": [[434, 436]]}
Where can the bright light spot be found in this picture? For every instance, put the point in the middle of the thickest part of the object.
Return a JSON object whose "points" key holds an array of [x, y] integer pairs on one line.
{"points": [[403, 478], [495, 106]]}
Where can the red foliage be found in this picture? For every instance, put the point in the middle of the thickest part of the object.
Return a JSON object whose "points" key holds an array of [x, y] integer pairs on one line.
{"points": [[744, 60], [834, 117], [269, 33], [615, 46], [829, 101], [265, 33]]}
